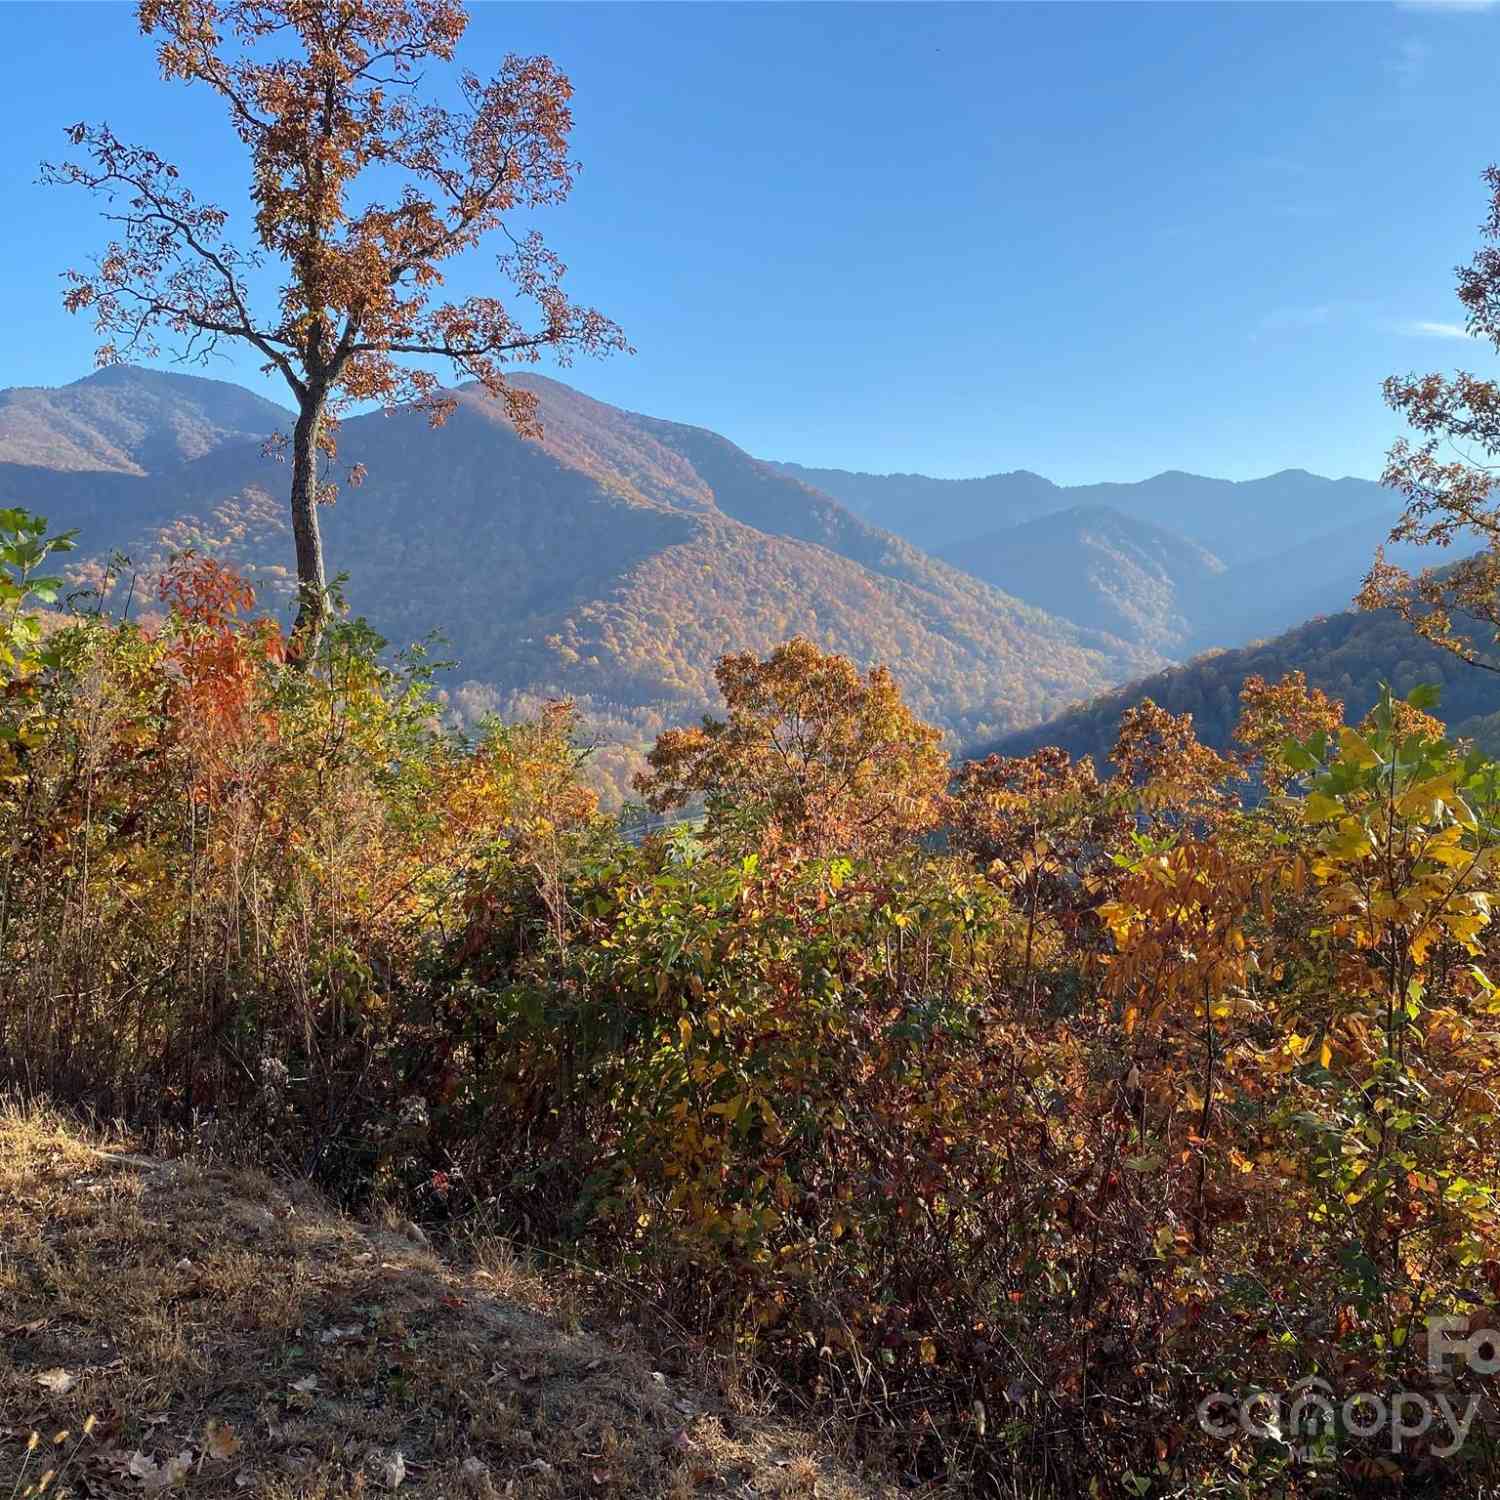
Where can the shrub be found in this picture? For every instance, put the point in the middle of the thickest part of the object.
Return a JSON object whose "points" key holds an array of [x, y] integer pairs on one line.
{"points": [[1008, 1149]]}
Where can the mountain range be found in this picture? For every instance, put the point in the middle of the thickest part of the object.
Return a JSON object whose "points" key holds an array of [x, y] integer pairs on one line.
{"points": [[1178, 563], [617, 557], [1240, 520], [612, 561]]}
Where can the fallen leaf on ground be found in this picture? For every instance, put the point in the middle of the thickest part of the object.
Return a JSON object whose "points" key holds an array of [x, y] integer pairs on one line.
{"points": [[219, 1440], [155, 1476]]}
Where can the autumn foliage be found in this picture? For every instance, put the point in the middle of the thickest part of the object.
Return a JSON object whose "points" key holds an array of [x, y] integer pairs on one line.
{"points": [[812, 755], [1001, 1112], [1445, 472]]}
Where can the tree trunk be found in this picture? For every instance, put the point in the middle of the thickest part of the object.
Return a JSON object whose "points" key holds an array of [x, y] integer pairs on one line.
{"points": [[312, 587]]}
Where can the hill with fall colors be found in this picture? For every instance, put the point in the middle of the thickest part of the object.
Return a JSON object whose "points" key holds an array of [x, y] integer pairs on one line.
{"points": [[129, 421], [1348, 655], [612, 561]]}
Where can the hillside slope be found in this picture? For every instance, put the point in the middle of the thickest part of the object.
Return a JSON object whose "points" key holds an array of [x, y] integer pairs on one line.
{"points": [[1147, 584], [613, 561], [1309, 578], [1348, 655], [1101, 569], [230, 1336]]}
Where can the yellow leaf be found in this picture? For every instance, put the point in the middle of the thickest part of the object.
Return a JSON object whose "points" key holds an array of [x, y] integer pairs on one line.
{"points": [[1426, 798], [1354, 748], [1451, 855], [1320, 808]]}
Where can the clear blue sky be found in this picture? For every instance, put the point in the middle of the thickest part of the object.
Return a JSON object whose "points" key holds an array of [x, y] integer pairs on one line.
{"points": [[1094, 241]]}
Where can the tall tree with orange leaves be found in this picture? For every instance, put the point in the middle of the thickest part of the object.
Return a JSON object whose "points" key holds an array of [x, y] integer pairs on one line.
{"points": [[323, 94]]}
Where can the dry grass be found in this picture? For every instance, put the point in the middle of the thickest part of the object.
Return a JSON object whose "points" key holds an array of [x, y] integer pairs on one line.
{"points": [[230, 1335]]}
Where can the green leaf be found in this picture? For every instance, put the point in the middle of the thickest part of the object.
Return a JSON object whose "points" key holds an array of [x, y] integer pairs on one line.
{"points": [[1298, 757]]}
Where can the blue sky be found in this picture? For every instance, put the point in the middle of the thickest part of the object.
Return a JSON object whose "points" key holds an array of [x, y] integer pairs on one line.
{"points": [[1093, 241]]}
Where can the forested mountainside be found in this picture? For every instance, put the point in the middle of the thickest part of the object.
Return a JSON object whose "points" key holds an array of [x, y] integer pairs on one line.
{"points": [[1101, 569], [1347, 655], [612, 561]]}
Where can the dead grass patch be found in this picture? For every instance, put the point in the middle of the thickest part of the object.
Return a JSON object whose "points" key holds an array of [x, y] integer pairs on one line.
{"points": [[217, 1333]]}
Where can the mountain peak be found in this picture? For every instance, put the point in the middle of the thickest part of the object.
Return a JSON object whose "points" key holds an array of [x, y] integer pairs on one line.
{"points": [[115, 375], [128, 419], [190, 386]]}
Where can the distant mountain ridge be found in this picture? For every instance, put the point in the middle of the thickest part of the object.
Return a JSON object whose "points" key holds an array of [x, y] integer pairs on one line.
{"points": [[1286, 547], [1103, 569], [1237, 520], [937, 513], [612, 561]]}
